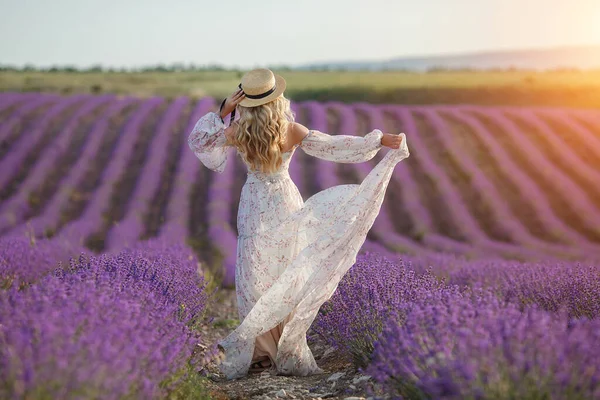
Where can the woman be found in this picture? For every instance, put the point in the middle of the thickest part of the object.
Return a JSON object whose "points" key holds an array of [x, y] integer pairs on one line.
{"points": [[291, 254]]}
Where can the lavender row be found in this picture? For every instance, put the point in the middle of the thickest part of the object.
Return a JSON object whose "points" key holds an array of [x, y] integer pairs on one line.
{"points": [[14, 159], [130, 228], [175, 228], [460, 217], [8, 99], [509, 249], [50, 217], [436, 241], [576, 196], [16, 208], [488, 190], [21, 112], [414, 205], [502, 215], [528, 187], [556, 177], [584, 134], [91, 219], [218, 212], [464, 218], [571, 158]]}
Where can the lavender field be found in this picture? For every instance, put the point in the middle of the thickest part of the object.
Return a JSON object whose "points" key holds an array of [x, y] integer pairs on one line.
{"points": [[479, 279]]}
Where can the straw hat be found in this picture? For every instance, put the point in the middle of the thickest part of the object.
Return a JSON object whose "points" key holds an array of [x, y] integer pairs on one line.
{"points": [[261, 86]]}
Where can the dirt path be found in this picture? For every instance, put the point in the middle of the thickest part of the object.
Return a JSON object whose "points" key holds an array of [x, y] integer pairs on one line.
{"points": [[339, 381]]}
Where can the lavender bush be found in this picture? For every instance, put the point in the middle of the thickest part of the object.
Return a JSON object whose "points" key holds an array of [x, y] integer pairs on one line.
{"points": [[479, 347], [372, 290], [445, 327], [552, 285], [24, 260], [109, 326]]}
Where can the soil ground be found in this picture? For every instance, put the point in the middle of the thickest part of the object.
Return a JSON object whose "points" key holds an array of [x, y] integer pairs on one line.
{"points": [[339, 381]]}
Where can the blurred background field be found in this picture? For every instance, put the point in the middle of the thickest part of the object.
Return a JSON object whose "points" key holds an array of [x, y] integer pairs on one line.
{"points": [[557, 88]]}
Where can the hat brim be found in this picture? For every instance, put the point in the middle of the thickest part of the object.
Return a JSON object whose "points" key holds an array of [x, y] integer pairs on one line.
{"points": [[279, 83]]}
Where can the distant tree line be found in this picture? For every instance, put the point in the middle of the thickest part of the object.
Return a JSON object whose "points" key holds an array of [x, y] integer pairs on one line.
{"points": [[175, 67]]}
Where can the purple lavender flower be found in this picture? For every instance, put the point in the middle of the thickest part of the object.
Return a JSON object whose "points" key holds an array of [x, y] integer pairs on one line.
{"points": [[116, 325]]}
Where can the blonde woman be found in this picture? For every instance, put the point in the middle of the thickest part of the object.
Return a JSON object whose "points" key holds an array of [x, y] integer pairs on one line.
{"points": [[291, 254]]}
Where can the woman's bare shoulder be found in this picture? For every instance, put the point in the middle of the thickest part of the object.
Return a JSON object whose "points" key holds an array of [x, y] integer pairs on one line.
{"points": [[297, 132]]}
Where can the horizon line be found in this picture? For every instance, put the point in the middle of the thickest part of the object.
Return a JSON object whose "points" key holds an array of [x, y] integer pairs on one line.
{"points": [[315, 62]]}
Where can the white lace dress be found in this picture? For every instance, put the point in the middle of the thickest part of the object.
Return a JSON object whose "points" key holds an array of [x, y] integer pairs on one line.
{"points": [[292, 254]]}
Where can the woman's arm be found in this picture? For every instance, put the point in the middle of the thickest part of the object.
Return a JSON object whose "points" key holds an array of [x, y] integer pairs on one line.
{"points": [[208, 142], [299, 132], [343, 148]]}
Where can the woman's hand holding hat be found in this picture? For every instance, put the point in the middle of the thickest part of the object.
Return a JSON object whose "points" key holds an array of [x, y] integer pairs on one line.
{"points": [[231, 102]]}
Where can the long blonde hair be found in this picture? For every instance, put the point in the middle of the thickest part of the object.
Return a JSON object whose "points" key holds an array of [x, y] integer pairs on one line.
{"points": [[260, 134]]}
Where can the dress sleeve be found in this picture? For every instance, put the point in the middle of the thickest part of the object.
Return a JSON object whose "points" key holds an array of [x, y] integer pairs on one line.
{"points": [[342, 148], [207, 141]]}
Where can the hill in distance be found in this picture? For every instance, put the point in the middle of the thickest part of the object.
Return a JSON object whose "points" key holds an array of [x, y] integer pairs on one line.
{"points": [[579, 57]]}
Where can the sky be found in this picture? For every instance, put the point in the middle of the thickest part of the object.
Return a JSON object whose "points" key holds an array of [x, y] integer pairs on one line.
{"points": [[248, 34]]}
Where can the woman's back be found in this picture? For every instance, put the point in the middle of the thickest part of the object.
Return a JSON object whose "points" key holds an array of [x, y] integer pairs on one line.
{"points": [[293, 137], [281, 170]]}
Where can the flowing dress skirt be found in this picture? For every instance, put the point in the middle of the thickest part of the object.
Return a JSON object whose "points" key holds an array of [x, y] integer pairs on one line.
{"points": [[291, 256]]}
